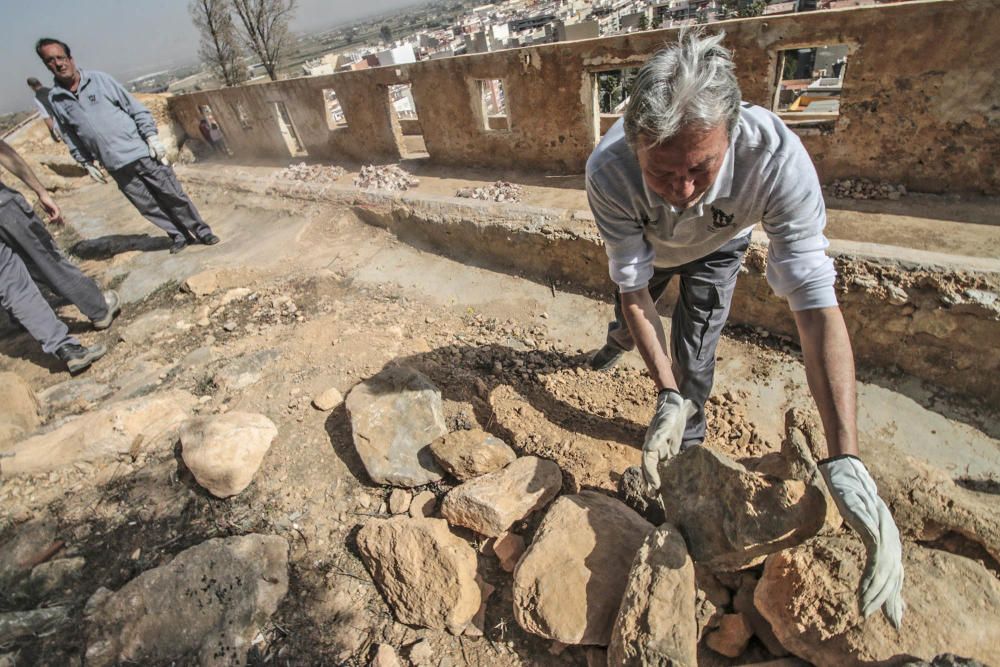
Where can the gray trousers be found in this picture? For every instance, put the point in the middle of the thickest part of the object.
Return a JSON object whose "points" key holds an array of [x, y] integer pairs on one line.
{"points": [[706, 292], [20, 297], [38, 259], [154, 190]]}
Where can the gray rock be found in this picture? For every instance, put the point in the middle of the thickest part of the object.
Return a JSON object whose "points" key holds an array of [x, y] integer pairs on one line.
{"points": [[632, 492], [64, 395], [203, 607], [395, 415], [468, 454], [15, 624], [56, 575], [22, 550], [145, 326], [245, 371]]}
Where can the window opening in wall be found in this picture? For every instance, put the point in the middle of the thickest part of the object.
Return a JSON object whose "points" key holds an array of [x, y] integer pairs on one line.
{"points": [[810, 80], [612, 89], [405, 111], [335, 117], [493, 103], [291, 137], [241, 113]]}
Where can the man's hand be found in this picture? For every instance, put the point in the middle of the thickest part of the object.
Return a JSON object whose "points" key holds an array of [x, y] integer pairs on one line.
{"points": [[664, 435], [95, 172], [51, 208], [857, 498], [157, 150]]}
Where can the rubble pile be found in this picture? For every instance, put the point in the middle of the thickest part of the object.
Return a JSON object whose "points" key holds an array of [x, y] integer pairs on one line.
{"points": [[310, 173], [387, 177], [500, 191], [863, 188]]}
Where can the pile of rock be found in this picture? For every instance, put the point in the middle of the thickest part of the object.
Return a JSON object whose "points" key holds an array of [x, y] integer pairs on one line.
{"points": [[500, 191], [311, 173], [387, 177], [863, 188]]}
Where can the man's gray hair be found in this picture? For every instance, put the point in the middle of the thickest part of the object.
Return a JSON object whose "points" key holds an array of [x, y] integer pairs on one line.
{"points": [[688, 84]]}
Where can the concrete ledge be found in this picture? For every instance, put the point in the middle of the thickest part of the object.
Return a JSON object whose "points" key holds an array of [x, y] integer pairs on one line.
{"points": [[934, 316]]}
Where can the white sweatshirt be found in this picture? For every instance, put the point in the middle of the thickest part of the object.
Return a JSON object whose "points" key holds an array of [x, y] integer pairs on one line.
{"points": [[766, 177]]}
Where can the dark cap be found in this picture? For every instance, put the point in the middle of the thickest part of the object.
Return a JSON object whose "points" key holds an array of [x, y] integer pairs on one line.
{"points": [[32, 81]]}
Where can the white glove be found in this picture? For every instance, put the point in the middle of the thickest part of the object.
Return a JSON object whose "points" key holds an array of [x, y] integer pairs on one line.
{"points": [[95, 172], [664, 435], [157, 150], [854, 491]]}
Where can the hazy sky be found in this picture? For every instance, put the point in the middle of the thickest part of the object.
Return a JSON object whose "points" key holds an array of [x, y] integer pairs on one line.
{"points": [[127, 38]]}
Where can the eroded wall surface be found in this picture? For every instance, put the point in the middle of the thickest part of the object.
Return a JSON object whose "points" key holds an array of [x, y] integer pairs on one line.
{"points": [[920, 102]]}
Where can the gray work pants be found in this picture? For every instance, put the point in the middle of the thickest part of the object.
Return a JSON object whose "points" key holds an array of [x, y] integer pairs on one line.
{"points": [[20, 297], [154, 190], [25, 234], [706, 292]]}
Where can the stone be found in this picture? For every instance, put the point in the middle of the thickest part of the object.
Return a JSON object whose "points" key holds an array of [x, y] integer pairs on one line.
{"points": [[399, 501], [731, 637], [394, 416], [142, 328], [423, 504], [63, 396], [16, 624], [656, 620], [732, 518], [632, 492], [20, 552], [234, 294], [202, 284], [570, 582], [56, 575], [20, 409], [711, 600], [468, 454], [743, 603], [385, 656], [477, 626], [422, 654], [809, 596], [492, 503], [246, 371], [426, 574], [223, 452], [508, 548], [328, 400], [204, 606], [101, 434]]}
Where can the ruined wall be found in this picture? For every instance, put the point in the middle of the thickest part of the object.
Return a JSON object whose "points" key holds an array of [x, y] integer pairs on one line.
{"points": [[920, 103]]}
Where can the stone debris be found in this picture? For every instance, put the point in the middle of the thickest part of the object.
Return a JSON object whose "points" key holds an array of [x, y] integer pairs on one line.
{"points": [[731, 637], [632, 492], [399, 501], [423, 504], [426, 574], [394, 416], [809, 596], [223, 452], [491, 504], [743, 604], [311, 173], [508, 548], [500, 191], [421, 654], [468, 454], [385, 656], [205, 605], [328, 400], [656, 621], [863, 188], [56, 576], [385, 177], [20, 409], [16, 624], [72, 396], [569, 584]]}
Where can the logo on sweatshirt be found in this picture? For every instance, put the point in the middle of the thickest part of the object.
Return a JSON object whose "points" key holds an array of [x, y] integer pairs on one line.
{"points": [[92, 98], [721, 219]]}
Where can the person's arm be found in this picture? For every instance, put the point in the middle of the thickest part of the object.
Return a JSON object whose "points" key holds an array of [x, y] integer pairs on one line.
{"points": [[15, 164], [137, 110], [647, 332]]}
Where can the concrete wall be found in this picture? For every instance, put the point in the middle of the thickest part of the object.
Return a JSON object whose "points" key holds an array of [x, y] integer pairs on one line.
{"points": [[920, 105]]}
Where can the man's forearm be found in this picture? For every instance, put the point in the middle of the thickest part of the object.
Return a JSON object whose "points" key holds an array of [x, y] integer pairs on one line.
{"points": [[16, 165], [829, 362], [647, 332]]}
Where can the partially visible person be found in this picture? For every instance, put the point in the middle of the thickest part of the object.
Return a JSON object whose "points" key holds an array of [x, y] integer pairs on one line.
{"points": [[29, 254], [44, 110], [212, 134], [103, 124]]}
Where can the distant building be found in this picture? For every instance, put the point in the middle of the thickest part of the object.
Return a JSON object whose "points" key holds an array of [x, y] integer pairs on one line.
{"points": [[568, 32]]}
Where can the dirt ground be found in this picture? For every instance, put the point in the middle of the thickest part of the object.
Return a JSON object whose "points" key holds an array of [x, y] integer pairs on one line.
{"points": [[329, 301]]}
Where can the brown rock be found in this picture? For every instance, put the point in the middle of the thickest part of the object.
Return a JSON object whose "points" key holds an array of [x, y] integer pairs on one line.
{"points": [[508, 547], [427, 574], [743, 603], [490, 504], [731, 637], [477, 627], [399, 501], [656, 620], [570, 582], [711, 600], [224, 452], [328, 400], [19, 416], [809, 596], [385, 656], [423, 504], [468, 454]]}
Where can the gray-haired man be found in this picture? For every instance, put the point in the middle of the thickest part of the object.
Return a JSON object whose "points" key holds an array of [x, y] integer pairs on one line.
{"points": [[102, 122], [676, 187]]}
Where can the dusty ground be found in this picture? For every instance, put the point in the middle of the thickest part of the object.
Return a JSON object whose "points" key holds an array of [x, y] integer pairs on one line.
{"points": [[332, 301]]}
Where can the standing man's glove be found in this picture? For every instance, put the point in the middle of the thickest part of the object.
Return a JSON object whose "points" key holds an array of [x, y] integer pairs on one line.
{"points": [[157, 150], [95, 172], [854, 491], [664, 435]]}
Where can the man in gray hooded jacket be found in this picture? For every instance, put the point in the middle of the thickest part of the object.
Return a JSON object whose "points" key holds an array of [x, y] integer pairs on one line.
{"points": [[102, 123]]}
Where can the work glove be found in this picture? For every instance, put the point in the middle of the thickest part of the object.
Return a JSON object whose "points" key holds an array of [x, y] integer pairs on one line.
{"points": [[664, 435], [95, 172], [157, 150], [853, 489]]}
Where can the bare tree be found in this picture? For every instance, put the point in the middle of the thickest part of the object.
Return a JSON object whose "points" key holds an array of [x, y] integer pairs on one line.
{"points": [[220, 47], [265, 28]]}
